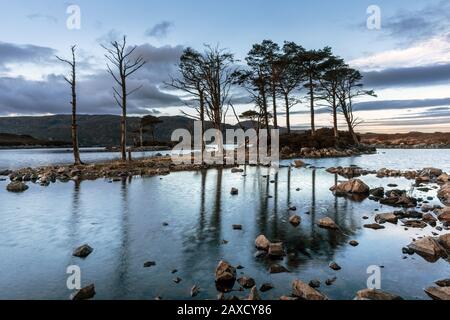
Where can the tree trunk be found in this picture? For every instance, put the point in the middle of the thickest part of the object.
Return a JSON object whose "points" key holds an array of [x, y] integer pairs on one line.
{"points": [[202, 120], [123, 121], [335, 123], [288, 117], [274, 101], [76, 151], [311, 97]]}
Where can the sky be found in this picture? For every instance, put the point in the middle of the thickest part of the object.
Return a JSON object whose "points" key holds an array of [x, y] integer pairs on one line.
{"points": [[406, 61]]}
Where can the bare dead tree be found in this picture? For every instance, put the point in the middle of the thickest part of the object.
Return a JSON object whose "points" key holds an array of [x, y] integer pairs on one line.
{"points": [[73, 83], [121, 58]]}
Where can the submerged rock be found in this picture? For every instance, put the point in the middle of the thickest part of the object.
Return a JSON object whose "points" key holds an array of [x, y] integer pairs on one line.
{"points": [[314, 283], [354, 243], [276, 268], [373, 294], [16, 186], [234, 191], [327, 223], [150, 264], [335, 266], [305, 292], [266, 287], [374, 226], [254, 295], [85, 293], [83, 251], [276, 250]]}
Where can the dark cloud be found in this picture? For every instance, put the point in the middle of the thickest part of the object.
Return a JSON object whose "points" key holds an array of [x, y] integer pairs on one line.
{"points": [[14, 53], [404, 77], [400, 104], [160, 30], [427, 22], [51, 95]]}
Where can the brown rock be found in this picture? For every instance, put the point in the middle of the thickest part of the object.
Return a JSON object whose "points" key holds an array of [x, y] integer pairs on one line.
{"points": [[373, 294], [305, 292], [225, 275], [444, 240], [444, 194], [299, 164], [444, 215], [443, 283], [276, 250], [352, 186], [83, 251], [428, 248], [295, 220], [335, 266], [85, 293], [16, 186], [327, 223], [438, 293], [262, 243], [354, 243], [246, 282], [254, 295], [415, 224], [374, 226], [276, 268], [386, 217]]}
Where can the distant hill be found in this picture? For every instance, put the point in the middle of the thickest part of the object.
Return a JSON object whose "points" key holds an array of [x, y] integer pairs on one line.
{"points": [[407, 139], [94, 130], [14, 140]]}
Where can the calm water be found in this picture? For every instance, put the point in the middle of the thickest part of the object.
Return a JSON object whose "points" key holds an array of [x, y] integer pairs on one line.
{"points": [[123, 222]]}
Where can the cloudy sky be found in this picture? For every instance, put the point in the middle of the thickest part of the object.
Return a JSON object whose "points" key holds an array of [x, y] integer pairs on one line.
{"points": [[407, 61]]}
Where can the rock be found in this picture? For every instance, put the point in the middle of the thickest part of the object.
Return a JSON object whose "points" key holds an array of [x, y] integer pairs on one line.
{"points": [[83, 251], [354, 243], [295, 220], [430, 219], [254, 295], [444, 214], [314, 284], [408, 251], [443, 178], [443, 283], [16, 186], [428, 248], [299, 164], [262, 243], [335, 266], [377, 192], [225, 276], [444, 240], [237, 170], [276, 268], [374, 226], [392, 185], [327, 223], [237, 227], [150, 264], [266, 287], [430, 172], [373, 294], [354, 186], [386, 217], [195, 290], [438, 293], [293, 208], [234, 192], [177, 280], [415, 224], [246, 282], [276, 250], [305, 292], [288, 298], [444, 194], [330, 282], [85, 293]]}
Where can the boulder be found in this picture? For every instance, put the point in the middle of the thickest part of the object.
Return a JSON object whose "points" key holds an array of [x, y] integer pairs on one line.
{"points": [[327, 223], [444, 240], [444, 194], [354, 186], [85, 293], [374, 294], [430, 219], [443, 283], [438, 293], [262, 243], [16, 186], [246, 282], [386, 217], [83, 251], [305, 292], [295, 220], [428, 248], [225, 276], [377, 192], [299, 164], [443, 178], [276, 250], [444, 214], [234, 191], [430, 172]]}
